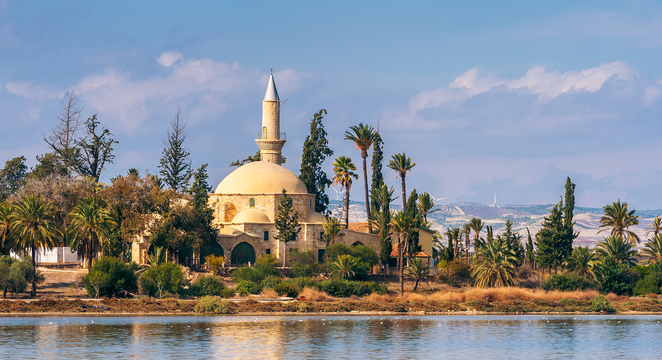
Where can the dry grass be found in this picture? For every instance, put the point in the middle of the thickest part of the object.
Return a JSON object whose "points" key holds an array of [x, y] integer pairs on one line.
{"points": [[269, 293], [492, 294], [314, 295]]}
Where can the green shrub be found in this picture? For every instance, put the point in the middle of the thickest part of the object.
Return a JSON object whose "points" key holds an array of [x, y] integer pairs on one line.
{"points": [[314, 269], [568, 282], [458, 268], [270, 281], [246, 287], [16, 275], [346, 288], [302, 257], [569, 302], [304, 282], [335, 250], [162, 279], [228, 293], [264, 266], [614, 276], [207, 286], [367, 258], [650, 284], [644, 270], [212, 305], [110, 277], [600, 303], [287, 288]]}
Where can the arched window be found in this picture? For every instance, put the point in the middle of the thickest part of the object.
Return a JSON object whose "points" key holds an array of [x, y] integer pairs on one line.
{"points": [[264, 132], [251, 202]]}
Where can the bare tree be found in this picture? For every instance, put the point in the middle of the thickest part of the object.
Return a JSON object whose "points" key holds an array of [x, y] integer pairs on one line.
{"points": [[64, 138]]}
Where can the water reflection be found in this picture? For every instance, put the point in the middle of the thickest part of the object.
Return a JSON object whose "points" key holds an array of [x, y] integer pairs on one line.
{"points": [[344, 337]]}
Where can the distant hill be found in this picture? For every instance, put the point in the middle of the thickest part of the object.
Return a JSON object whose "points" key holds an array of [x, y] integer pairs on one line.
{"points": [[523, 216]]}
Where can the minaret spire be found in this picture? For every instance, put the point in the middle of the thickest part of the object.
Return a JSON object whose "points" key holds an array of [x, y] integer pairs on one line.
{"points": [[270, 140]]}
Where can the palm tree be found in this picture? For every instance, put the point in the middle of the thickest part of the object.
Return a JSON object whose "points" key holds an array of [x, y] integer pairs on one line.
{"points": [[618, 218], [363, 136], [402, 165], [582, 261], [346, 265], [453, 235], [654, 227], [402, 225], [615, 247], [418, 270], [343, 174], [653, 249], [466, 230], [495, 265], [332, 229], [91, 224], [34, 226], [425, 205], [477, 226], [6, 210]]}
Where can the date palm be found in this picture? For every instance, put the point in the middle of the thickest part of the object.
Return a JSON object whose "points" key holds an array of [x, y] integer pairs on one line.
{"points": [[363, 136], [401, 164], [343, 174], [618, 219], [466, 230], [477, 226], [418, 270], [332, 229], [495, 265], [582, 261], [653, 249], [402, 225], [654, 227], [6, 210], [34, 227], [346, 266], [90, 226], [615, 247], [425, 205]]}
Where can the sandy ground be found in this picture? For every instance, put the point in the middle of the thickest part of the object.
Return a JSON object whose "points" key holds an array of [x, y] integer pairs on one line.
{"points": [[58, 283]]}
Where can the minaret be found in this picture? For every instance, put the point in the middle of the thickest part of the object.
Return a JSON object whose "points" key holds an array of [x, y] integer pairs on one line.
{"points": [[269, 139]]}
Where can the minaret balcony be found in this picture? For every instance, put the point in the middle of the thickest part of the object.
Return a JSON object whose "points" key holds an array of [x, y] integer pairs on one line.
{"points": [[260, 136]]}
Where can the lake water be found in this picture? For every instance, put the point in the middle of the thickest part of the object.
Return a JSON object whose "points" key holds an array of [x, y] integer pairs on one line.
{"points": [[337, 337]]}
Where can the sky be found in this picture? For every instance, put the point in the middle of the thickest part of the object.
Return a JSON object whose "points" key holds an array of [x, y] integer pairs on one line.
{"points": [[485, 97]]}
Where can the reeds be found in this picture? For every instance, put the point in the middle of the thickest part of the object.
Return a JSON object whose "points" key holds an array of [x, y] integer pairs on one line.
{"points": [[310, 294], [491, 295]]}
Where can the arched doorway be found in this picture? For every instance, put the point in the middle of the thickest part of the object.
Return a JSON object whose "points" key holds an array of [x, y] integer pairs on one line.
{"points": [[243, 253], [357, 243], [214, 249]]}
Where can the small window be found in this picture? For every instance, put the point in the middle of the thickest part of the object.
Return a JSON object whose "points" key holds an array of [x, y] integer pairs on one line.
{"points": [[322, 236], [266, 235], [251, 202], [218, 199], [268, 251]]}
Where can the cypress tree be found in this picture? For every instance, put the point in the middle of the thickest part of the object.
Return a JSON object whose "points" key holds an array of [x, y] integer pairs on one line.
{"points": [[287, 223], [377, 177], [550, 240], [199, 191], [175, 167], [529, 248], [315, 151], [412, 246]]}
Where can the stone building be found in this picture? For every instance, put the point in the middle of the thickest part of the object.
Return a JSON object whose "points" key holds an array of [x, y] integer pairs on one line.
{"points": [[246, 202]]}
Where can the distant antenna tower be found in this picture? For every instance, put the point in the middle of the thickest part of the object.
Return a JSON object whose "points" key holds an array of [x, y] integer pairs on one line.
{"points": [[495, 203]]}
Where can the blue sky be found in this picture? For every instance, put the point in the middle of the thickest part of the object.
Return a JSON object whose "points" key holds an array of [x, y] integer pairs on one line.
{"points": [[484, 97]]}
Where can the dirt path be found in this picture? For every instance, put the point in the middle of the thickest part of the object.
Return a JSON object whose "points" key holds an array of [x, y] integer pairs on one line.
{"points": [[58, 283]]}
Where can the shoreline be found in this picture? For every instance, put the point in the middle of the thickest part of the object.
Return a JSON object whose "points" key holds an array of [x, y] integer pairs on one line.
{"points": [[286, 314]]}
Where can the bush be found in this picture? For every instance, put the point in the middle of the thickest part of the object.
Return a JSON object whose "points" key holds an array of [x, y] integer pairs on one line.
{"points": [[644, 270], [568, 282], [207, 286], [162, 279], [367, 258], [270, 281], [303, 282], [16, 275], [614, 276], [302, 257], [600, 303], [246, 287], [110, 277], [314, 269], [650, 284], [264, 266], [228, 293], [214, 263], [335, 250], [346, 288], [287, 288], [212, 305]]}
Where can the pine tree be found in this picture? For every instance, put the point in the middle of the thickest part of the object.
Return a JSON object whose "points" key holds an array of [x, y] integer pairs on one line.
{"points": [[377, 162], [12, 177], [175, 167], [199, 191], [551, 241], [513, 240], [315, 151], [96, 149], [287, 223]]}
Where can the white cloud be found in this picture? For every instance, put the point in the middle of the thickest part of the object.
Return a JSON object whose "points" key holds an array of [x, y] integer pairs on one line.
{"points": [[201, 86], [28, 90], [651, 94], [547, 85], [168, 58]]}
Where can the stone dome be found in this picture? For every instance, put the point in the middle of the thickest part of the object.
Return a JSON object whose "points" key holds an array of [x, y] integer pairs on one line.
{"points": [[251, 216], [261, 177], [314, 218]]}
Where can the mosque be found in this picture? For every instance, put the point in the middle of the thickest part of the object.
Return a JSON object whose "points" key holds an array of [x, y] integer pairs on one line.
{"points": [[245, 203]]}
